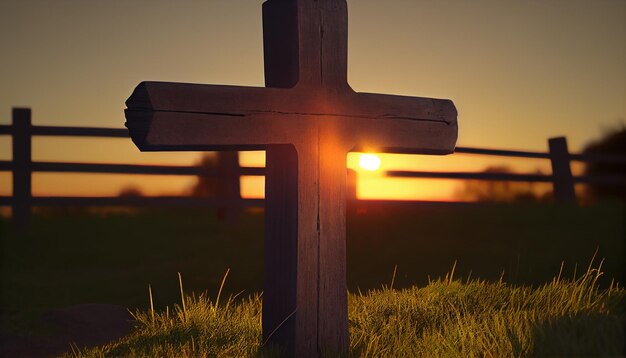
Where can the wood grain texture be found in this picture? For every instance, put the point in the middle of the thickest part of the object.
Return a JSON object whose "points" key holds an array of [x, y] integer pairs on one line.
{"points": [[280, 313], [333, 300], [308, 274], [236, 101], [323, 43], [199, 131]]}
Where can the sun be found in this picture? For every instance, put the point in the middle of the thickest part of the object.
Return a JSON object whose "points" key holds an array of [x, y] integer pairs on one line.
{"points": [[369, 162]]}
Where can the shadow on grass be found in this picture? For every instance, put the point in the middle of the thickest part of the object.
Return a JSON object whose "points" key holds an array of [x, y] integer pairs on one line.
{"points": [[581, 335]]}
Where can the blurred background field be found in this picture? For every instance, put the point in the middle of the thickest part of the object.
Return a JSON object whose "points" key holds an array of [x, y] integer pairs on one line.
{"points": [[111, 256]]}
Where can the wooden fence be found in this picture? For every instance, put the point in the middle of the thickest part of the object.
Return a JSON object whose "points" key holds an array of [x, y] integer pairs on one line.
{"points": [[21, 130], [229, 172], [562, 180]]}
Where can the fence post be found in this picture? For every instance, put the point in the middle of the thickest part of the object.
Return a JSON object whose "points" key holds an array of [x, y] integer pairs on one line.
{"points": [[563, 181], [22, 187], [228, 187]]}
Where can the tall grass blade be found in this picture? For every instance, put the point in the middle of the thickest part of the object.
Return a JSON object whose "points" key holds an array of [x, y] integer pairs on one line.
{"points": [[279, 325], [151, 303], [182, 296], [452, 273], [558, 278], [593, 259], [219, 293]]}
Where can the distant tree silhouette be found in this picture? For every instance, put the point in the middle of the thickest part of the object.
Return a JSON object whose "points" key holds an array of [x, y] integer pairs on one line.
{"points": [[612, 142], [130, 192], [206, 185], [219, 176], [500, 190], [219, 179]]}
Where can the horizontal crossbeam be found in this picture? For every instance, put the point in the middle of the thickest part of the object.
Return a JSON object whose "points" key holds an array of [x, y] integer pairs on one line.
{"points": [[176, 116]]}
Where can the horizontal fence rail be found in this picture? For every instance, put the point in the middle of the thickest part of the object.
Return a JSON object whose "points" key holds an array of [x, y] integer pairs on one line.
{"points": [[533, 178], [503, 153], [71, 131], [562, 179], [528, 178], [228, 172], [5, 129], [59, 167], [598, 158], [135, 201], [601, 158]]}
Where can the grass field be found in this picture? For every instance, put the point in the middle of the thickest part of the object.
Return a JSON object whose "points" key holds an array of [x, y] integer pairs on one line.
{"points": [[447, 317], [81, 257]]}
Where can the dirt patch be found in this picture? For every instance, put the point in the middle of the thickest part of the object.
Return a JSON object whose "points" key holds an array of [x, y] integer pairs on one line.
{"points": [[86, 325]]}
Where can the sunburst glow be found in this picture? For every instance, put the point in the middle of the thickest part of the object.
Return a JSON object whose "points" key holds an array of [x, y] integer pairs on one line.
{"points": [[369, 162]]}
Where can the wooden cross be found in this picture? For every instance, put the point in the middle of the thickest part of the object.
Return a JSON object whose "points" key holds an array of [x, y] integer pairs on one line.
{"points": [[307, 119]]}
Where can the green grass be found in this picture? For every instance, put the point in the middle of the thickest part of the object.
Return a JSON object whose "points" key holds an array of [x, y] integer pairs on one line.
{"points": [[447, 317], [526, 241], [85, 258], [81, 257]]}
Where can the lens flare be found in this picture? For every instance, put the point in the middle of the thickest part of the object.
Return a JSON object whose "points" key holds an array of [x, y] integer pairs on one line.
{"points": [[369, 162]]}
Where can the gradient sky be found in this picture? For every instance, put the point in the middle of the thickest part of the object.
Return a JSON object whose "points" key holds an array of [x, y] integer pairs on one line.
{"points": [[518, 72]]}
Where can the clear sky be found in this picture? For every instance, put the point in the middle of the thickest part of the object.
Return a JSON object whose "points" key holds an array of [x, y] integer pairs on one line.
{"points": [[518, 72]]}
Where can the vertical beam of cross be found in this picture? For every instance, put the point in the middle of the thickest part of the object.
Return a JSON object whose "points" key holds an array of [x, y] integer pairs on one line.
{"points": [[323, 43], [305, 45]]}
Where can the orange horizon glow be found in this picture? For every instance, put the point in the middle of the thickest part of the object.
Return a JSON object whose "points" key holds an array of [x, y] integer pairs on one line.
{"points": [[526, 72], [514, 85], [371, 185]]}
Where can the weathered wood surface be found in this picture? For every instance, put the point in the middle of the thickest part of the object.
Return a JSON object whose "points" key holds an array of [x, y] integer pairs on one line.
{"points": [[281, 260], [307, 118], [383, 122], [237, 101], [164, 131]]}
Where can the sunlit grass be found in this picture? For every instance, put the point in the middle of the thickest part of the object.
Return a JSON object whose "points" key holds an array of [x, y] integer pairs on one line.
{"points": [[477, 318], [447, 317]]}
